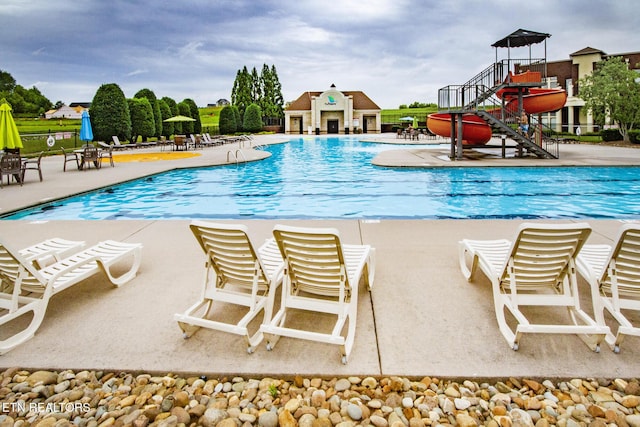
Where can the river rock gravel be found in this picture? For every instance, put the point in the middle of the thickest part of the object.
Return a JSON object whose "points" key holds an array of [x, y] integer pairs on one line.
{"points": [[100, 398]]}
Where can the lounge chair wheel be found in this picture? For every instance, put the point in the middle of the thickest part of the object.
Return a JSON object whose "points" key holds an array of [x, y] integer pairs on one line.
{"points": [[250, 350], [597, 349], [616, 349], [185, 336], [344, 360], [269, 346], [515, 347]]}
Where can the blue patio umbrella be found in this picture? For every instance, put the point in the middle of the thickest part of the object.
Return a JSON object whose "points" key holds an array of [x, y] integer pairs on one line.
{"points": [[9, 135], [86, 133]]}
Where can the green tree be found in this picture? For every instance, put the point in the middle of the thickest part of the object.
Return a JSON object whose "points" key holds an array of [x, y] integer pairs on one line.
{"points": [[155, 107], [22, 100], [238, 117], [256, 88], [110, 114], [227, 122], [242, 90], [263, 89], [165, 111], [194, 114], [173, 106], [611, 92], [252, 118], [142, 122], [185, 110], [274, 101], [7, 82]]}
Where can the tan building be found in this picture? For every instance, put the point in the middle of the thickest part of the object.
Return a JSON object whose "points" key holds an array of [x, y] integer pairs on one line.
{"points": [[567, 74], [332, 112]]}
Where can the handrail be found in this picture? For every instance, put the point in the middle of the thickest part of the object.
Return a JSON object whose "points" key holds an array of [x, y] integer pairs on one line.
{"points": [[235, 156]]}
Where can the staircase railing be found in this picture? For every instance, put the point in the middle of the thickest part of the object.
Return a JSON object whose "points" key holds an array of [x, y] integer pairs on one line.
{"points": [[541, 139], [467, 96], [478, 96]]}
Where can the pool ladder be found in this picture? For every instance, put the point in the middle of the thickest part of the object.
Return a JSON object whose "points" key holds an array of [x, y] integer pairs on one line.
{"points": [[235, 155]]}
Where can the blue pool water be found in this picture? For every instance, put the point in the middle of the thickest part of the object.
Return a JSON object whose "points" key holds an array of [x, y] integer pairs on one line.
{"points": [[333, 178]]}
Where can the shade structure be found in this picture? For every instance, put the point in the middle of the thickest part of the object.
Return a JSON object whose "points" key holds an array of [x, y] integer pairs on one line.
{"points": [[521, 38], [9, 135], [180, 119], [86, 133]]}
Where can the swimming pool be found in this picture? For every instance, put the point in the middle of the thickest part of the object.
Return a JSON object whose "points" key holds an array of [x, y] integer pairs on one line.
{"points": [[333, 178]]}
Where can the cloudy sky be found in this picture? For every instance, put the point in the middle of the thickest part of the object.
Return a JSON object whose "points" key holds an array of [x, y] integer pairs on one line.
{"points": [[397, 51]]}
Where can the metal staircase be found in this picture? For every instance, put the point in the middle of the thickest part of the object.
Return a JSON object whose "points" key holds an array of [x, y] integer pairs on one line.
{"points": [[478, 96]]}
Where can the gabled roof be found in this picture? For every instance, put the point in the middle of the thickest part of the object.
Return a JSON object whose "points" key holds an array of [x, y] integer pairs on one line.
{"points": [[587, 51], [360, 101], [521, 38]]}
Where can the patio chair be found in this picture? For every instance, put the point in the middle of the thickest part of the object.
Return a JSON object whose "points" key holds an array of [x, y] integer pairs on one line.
{"points": [[32, 164], [536, 269], [106, 153], [321, 275], [90, 155], [11, 166], [235, 273], [70, 156], [614, 276], [26, 290]]}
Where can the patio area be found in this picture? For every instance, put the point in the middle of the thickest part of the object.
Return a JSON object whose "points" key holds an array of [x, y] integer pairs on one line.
{"points": [[422, 317]]}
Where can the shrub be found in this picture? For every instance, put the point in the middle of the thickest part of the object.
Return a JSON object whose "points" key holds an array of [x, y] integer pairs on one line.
{"points": [[634, 136], [110, 114], [252, 118], [611, 135], [227, 122]]}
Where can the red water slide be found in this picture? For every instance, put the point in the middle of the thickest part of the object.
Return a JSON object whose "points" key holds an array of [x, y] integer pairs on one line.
{"points": [[475, 131]]}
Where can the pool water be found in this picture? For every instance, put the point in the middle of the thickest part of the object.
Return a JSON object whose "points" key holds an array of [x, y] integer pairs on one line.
{"points": [[333, 178]]}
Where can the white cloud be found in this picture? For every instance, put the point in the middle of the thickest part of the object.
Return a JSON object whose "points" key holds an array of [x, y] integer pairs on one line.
{"points": [[397, 51]]}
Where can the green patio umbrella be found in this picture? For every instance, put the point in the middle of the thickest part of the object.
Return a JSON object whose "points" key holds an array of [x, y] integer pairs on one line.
{"points": [[9, 135], [180, 119]]}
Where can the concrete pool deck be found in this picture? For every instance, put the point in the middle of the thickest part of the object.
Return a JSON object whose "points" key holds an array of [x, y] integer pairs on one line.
{"points": [[421, 318]]}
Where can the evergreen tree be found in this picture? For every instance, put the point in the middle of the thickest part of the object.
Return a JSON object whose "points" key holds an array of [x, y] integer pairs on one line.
{"points": [[264, 90], [142, 122], [194, 114], [241, 96], [110, 114], [273, 101], [237, 117], [256, 88], [165, 111], [227, 122], [173, 106], [252, 118], [157, 116], [185, 110]]}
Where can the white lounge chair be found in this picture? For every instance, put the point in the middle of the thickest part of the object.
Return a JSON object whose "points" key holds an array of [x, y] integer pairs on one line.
{"points": [[26, 289], [235, 273], [321, 275], [614, 276], [536, 269], [50, 251]]}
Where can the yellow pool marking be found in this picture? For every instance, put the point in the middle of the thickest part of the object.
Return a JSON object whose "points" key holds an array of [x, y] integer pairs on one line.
{"points": [[152, 157]]}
